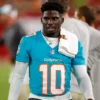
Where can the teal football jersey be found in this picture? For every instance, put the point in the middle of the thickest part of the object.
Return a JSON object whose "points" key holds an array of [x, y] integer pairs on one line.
{"points": [[49, 71]]}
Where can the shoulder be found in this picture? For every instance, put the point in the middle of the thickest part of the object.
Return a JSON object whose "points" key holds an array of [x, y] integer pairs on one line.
{"points": [[72, 20], [75, 26], [28, 38], [34, 34], [31, 35], [94, 31]]}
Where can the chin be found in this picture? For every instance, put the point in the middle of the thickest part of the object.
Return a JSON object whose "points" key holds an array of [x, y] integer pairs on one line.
{"points": [[50, 34]]}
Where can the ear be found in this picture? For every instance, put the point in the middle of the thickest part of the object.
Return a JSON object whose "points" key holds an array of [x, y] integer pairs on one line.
{"points": [[83, 19], [62, 20], [68, 8], [41, 20]]}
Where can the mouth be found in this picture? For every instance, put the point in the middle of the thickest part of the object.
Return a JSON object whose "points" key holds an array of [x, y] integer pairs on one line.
{"points": [[51, 29]]}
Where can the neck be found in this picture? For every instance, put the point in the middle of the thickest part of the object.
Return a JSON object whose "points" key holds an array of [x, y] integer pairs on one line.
{"points": [[52, 35]]}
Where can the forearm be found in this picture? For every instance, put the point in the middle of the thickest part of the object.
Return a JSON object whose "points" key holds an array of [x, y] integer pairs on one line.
{"points": [[84, 81], [15, 87], [86, 87], [16, 83]]}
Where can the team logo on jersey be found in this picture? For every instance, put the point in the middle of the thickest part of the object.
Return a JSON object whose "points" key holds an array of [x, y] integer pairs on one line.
{"points": [[52, 60], [52, 51]]}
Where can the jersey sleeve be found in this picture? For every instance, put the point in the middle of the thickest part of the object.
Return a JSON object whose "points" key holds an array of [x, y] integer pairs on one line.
{"points": [[79, 58], [23, 51]]}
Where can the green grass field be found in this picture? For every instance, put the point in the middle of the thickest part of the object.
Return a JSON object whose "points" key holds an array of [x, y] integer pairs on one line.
{"points": [[4, 74]]}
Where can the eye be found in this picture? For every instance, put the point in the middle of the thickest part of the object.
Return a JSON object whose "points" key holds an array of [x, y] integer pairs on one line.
{"points": [[46, 18], [55, 18]]}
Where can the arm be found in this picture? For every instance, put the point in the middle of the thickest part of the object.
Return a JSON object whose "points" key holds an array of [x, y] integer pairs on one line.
{"points": [[22, 61], [80, 72], [84, 81], [19, 73]]}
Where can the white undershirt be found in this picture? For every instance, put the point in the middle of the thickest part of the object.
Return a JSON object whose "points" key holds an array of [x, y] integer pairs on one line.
{"points": [[52, 42]]}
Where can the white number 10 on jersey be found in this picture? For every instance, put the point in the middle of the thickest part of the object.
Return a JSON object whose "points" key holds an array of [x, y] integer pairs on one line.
{"points": [[53, 70]]}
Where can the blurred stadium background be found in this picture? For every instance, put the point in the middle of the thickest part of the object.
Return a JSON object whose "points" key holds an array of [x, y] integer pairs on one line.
{"points": [[29, 8]]}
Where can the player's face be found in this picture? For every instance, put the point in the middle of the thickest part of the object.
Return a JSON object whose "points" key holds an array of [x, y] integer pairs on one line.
{"points": [[51, 21]]}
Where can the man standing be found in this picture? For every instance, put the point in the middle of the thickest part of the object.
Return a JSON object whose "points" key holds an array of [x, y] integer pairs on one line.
{"points": [[49, 69]]}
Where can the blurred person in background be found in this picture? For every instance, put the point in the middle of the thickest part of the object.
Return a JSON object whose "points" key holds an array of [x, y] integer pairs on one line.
{"points": [[11, 38], [81, 29], [87, 14], [3, 49], [18, 27], [31, 22], [97, 20]]}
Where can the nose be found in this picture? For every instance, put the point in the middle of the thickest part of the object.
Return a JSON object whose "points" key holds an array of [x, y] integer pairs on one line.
{"points": [[50, 21]]}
